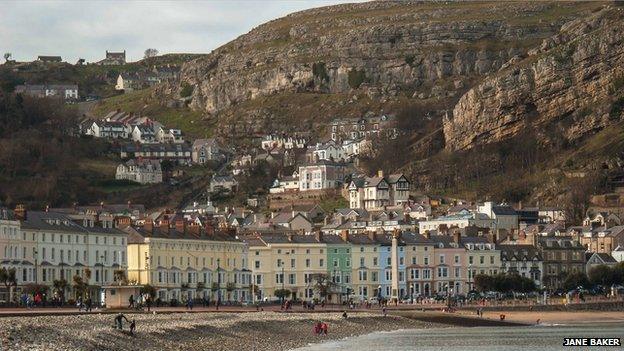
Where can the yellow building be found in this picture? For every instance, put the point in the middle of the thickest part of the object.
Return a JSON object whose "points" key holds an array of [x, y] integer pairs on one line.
{"points": [[184, 262], [366, 266], [286, 262]]}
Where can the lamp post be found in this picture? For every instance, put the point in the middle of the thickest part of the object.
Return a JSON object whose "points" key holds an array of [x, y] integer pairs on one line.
{"points": [[469, 277], [218, 282], [36, 253], [412, 294]]}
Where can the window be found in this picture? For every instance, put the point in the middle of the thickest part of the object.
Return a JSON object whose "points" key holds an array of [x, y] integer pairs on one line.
{"points": [[307, 263], [401, 261], [426, 274], [279, 278], [481, 259], [413, 260], [374, 276], [426, 261], [279, 262], [292, 263], [414, 273], [456, 259], [257, 264], [361, 261], [292, 279], [457, 272], [336, 263], [470, 260], [441, 259], [491, 259], [362, 275], [321, 262], [442, 272], [389, 261], [375, 261]]}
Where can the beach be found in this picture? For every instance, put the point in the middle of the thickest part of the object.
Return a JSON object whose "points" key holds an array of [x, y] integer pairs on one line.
{"points": [[193, 331]]}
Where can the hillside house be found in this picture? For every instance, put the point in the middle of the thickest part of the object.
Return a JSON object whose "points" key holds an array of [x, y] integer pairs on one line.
{"points": [[321, 175], [204, 150], [113, 58], [270, 142], [111, 130], [142, 171], [180, 153], [167, 135], [285, 184], [49, 59], [223, 183], [143, 134], [64, 91], [365, 127], [378, 192]]}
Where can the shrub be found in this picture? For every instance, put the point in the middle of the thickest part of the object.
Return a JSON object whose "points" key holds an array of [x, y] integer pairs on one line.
{"points": [[186, 91], [356, 78], [319, 71]]}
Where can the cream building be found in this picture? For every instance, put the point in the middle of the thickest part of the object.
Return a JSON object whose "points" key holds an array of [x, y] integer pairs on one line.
{"points": [[286, 262], [186, 261], [53, 246]]}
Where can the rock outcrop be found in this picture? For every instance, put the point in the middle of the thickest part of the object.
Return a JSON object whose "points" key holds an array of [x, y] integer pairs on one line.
{"points": [[415, 49], [570, 85]]}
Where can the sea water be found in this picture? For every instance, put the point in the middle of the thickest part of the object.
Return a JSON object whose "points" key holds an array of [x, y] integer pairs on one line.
{"points": [[543, 338]]}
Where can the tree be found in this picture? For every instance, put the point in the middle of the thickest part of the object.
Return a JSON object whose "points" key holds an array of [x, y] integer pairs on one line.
{"points": [[282, 294], [8, 278], [120, 276], [323, 285], [601, 275], [80, 286], [59, 286], [7, 56], [150, 53], [575, 279], [483, 282], [148, 290], [186, 91]]}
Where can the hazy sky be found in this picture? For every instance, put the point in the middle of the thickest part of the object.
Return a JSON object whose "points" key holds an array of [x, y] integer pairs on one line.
{"points": [[86, 29]]}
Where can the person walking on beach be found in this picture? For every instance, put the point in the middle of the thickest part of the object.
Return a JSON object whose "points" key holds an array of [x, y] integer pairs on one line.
{"points": [[132, 327], [119, 321], [317, 328], [383, 311], [324, 328], [344, 314]]}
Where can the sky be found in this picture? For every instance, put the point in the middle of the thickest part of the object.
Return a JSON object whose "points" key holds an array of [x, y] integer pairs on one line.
{"points": [[86, 29]]}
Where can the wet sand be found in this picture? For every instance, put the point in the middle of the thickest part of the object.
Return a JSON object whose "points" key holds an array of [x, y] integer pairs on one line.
{"points": [[190, 331], [553, 317]]}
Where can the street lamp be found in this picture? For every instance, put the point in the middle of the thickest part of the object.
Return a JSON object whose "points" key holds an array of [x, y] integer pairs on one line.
{"points": [[36, 254], [412, 294], [470, 277], [218, 282]]}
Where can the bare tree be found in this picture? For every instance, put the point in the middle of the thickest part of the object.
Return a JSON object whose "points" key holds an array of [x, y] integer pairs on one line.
{"points": [[150, 53], [7, 56]]}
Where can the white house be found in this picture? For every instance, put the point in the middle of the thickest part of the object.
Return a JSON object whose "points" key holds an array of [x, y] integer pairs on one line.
{"points": [[167, 135], [285, 184], [142, 171], [108, 129], [321, 175], [504, 216], [329, 151], [270, 142], [54, 246], [143, 134], [460, 220]]}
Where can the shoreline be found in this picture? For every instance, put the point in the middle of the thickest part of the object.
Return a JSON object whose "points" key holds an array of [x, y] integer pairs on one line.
{"points": [[222, 331]]}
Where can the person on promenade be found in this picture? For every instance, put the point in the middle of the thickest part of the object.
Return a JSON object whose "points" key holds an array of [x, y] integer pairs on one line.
{"points": [[148, 302], [131, 301], [89, 305], [189, 304]]}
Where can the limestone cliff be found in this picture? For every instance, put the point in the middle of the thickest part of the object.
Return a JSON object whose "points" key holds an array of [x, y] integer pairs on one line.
{"points": [[383, 50], [569, 86]]}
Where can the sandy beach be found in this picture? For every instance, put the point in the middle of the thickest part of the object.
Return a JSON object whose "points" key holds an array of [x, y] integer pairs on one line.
{"points": [[554, 317], [193, 331]]}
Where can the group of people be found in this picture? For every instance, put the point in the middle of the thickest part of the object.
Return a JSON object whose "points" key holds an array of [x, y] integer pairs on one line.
{"points": [[30, 301], [86, 304], [320, 328], [119, 323]]}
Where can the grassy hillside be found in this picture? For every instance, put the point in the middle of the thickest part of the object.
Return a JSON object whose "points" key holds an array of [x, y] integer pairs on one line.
{"points": [[141, 101]]}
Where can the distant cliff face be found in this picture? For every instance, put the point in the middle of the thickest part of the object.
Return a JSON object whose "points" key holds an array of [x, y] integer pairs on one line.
{"points": [[573, 81], [384, 49]]}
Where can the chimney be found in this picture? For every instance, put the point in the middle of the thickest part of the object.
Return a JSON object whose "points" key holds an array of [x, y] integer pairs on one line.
{"points": [[396, 233], [456, 237], [344, 235], [180, 224], [164, 224], [494, 238], [380, 173], [319, 236], [148, 225], [193, 228], [427, 235], [20, 212], [326, 220]]}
